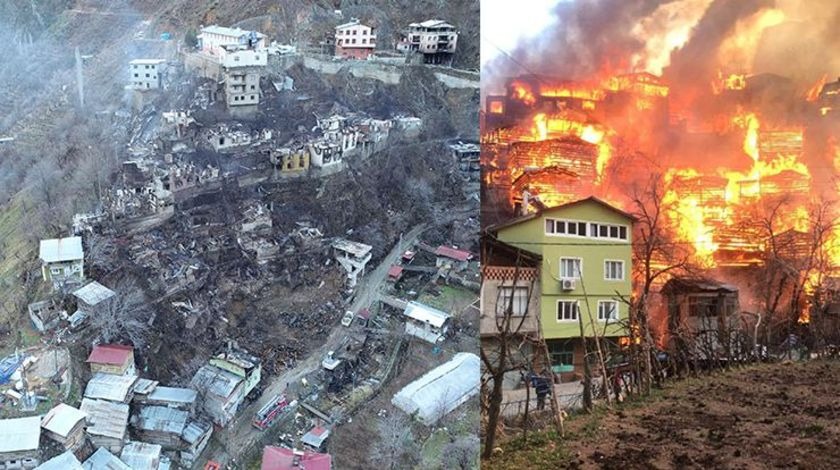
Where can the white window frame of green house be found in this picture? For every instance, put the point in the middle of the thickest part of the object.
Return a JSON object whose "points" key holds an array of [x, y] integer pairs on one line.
{"points": [[607, 270], [562, 314], [580, 267], [554, 224], [516, 291], [616, 312], [596, 229]]}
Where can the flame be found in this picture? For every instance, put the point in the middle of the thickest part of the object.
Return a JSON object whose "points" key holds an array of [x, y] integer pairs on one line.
{"points": [[741, 46], [814, 92], [523, 92], [497, 107], [668, 28]]}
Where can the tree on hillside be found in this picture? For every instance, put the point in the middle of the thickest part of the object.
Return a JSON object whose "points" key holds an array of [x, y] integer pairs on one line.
{"points": [[125, 316], [396, 446]]}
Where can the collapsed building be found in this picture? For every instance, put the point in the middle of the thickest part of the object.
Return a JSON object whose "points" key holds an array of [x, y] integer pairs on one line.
{"points": [[224, 382]]}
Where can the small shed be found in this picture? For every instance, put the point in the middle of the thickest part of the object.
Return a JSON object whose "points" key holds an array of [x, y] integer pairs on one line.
{"points": [[160, 425], [316, 437], [395, 273], [65, 425], [426, 323], [452, 258]]}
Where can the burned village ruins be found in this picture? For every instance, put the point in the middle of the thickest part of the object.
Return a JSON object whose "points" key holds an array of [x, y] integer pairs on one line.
{"points": [[248, 274]]}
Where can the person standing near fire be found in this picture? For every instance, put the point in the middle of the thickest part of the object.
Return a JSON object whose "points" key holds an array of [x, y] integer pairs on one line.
{"points": [[542, 385]]}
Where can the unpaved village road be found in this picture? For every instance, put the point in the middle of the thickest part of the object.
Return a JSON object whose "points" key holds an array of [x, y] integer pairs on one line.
{"points": [[239, 434]]}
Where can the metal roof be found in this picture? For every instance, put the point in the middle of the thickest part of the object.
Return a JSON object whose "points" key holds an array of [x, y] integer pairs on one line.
{"points": [[20, 434], [194, 430], [173, 394], [62, 419], [65, 461], [147, 61], [281, 458], [161, 418], [215, 381], [453, 253], [432, 24], [442, 389], [104, 460], [145, 386], [114, 354], [110, 387], [61, 249], [106, 418], [426, 314], [232, 32], [316, 436], [141, 456], [93, 293]]}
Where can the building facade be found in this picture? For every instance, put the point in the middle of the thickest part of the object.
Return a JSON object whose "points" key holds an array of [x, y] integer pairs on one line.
{"points": [[586, 255], [146, 74], [436, 40], [354, 40], [242, 87], [62, 261]]}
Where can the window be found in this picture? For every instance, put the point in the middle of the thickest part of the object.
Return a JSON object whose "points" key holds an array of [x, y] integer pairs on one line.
{"points": [[567, 310], [253, 87], [253, 97], [520, 300], [364, 32], [607, 310], [77, 268], [136, 75], [364, 41], [55, 271], [562, 355], [613, 270], [615, 232], [571, 268], [565, 227], [147, 75]]}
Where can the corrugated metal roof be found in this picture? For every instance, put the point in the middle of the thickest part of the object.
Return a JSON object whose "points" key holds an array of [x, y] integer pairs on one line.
{"points": [[194, 430], [61, 249], [110, 387], [113, 354], [20, 434], [232, 32], [426, 314], [141, 456], [106, 418], [145, 386], [93, 293], [62, 419], [65, 461], [161, 418], [214, 380], [316, 436], [104, 460], [174, 395], [281, 458]]}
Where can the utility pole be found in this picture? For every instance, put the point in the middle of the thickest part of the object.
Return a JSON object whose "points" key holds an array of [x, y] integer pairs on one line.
{"points": [[80, 80]]}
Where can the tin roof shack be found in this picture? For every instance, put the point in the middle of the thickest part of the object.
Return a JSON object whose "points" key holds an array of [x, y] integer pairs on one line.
{"points": [[89, 300], [65, 461], [353, 257], [172, 397], [281, 458], [62, 261], [196, 436], [441, 390], [106, 423], [703, 316], [160, 425], [104, 460], [141, 456], [224, 383], [115, 388], [19, 439], [65, 425], [452, 258], [316, 438], [45, 315], [426, 323], [117, 359]]}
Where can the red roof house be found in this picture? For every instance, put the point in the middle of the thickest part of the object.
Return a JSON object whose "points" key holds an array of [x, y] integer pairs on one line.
{"points": [[112, 359], [280, 458], [395, 272], [457, 255]]}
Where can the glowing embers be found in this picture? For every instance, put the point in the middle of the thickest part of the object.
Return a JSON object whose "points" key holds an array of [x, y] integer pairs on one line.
{"points": [[640, 84], [538, 188]]}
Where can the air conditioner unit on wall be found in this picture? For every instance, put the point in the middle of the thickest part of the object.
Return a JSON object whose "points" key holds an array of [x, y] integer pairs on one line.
{"points": [[567, 284]]}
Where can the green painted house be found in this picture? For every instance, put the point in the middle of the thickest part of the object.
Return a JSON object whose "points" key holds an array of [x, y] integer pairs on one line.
{"points": [[586, 269]]}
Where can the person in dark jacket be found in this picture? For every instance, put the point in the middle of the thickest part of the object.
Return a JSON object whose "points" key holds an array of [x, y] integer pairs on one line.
{"points": [[542, 385]]}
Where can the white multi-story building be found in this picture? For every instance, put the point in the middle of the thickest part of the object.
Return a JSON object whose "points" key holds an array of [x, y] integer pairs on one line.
{"points": [[214, 38], [146, 74], [354, 40], [242, 87], [435, 39]]}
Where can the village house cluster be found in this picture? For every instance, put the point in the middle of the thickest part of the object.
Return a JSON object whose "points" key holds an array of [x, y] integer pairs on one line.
{"points": [[431, 41]]}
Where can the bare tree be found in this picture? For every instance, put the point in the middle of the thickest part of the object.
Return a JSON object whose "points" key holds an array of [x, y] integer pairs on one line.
{"points": [[396, 446], [461, 454], [502, 358], [125, 316]]}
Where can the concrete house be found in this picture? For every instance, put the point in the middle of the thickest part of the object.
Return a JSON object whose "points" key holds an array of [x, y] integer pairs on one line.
{"points": [[510, 286], [435, 40], [586, 264], [62, 261], [353, 257], [19, 440], [65, 425], [146, 74], [117, 359], [242, 87], [213, 38], [426, 323], [353, 40]]}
